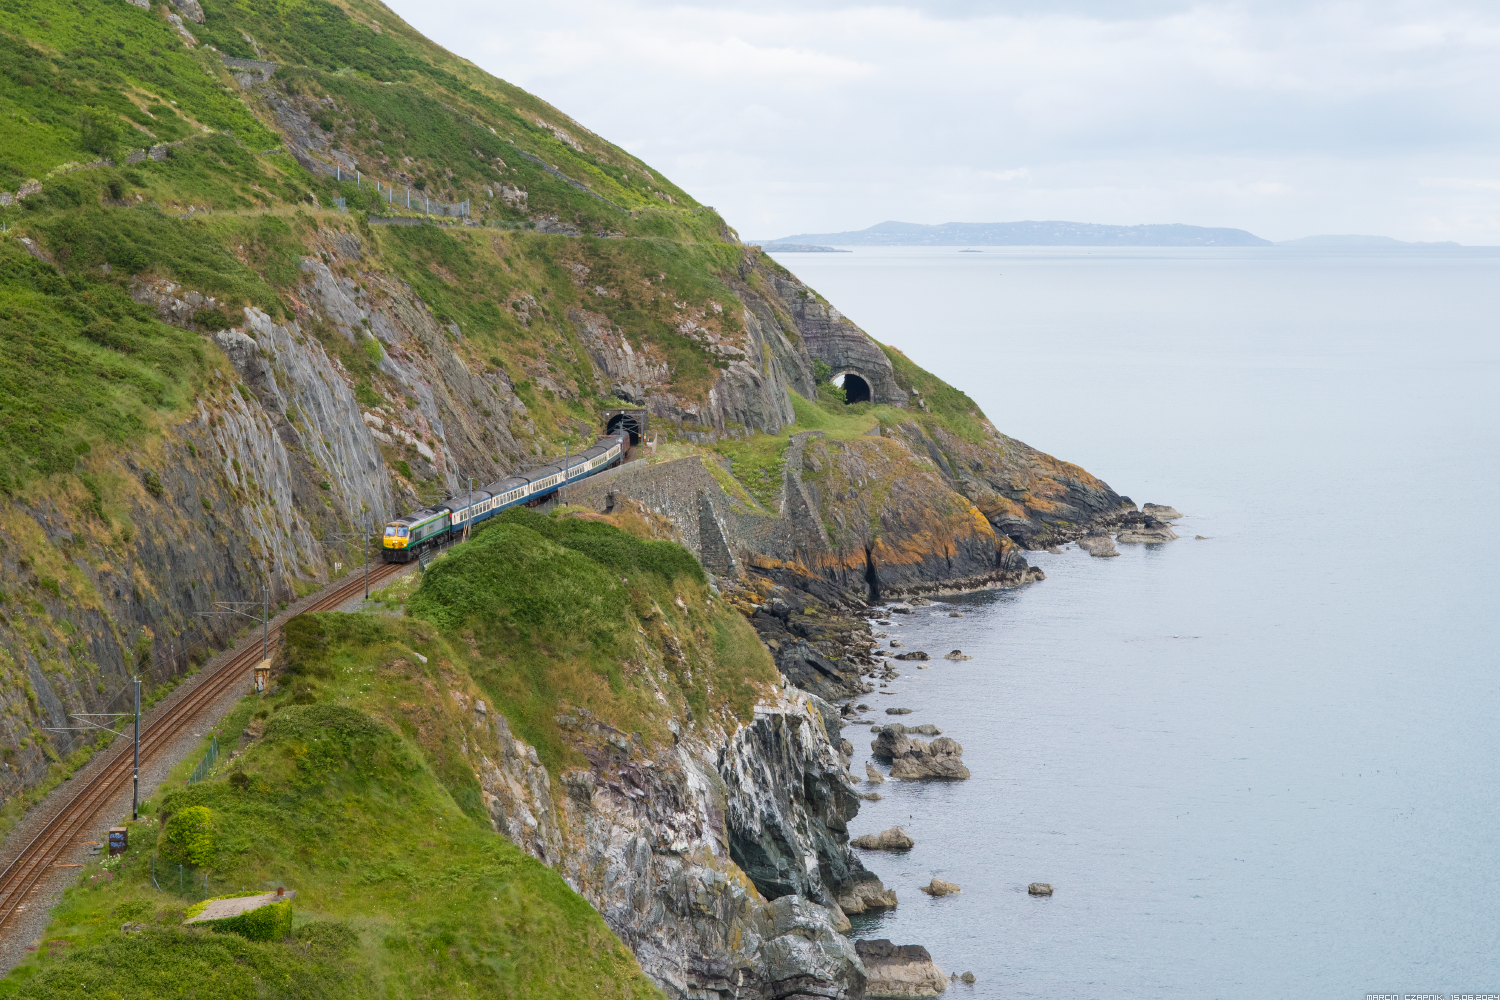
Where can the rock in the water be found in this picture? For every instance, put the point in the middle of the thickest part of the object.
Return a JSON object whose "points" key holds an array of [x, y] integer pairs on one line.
{"points": [[870, 796], [915, 654], [1145, 529], [1099, 545], [1147, 536], [968, 977], [1161, 512], [940, 887], [899, 970], [1201, 538], [894, 839], [865, 893], [919, 602], [1040, 888], [955, 614], [898, 711], [897, 644], [957, 654], [925, 729], [942, 758], [873, 776]]}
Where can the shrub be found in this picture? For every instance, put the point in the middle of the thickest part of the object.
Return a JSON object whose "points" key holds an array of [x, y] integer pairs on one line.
{"points": [[191, 836], [211, 319]]}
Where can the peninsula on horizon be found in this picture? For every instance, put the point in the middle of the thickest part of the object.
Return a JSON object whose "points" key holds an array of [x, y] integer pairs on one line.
{"points": [[999, 234]]}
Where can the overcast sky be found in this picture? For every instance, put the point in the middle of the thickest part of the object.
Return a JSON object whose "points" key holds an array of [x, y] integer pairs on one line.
{"points": [[1287, 119]]}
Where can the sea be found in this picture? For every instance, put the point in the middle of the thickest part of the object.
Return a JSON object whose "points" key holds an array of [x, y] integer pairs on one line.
{"points": [[1263, 760]]}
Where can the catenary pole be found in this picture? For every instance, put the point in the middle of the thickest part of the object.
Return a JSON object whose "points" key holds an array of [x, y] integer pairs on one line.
{"points": [[135, 778]]}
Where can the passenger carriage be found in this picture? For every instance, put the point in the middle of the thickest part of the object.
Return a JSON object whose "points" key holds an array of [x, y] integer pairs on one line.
{"points": [[408, 537]]}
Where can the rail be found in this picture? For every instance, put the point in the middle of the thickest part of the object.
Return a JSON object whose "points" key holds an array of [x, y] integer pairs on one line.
{"points": [[63, 830]]}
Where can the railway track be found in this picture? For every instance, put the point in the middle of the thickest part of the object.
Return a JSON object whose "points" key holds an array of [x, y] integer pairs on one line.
{"points": [[75, 818]]}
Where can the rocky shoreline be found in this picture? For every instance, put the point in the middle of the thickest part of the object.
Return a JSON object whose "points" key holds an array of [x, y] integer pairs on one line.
{"points": [[909, 970]]}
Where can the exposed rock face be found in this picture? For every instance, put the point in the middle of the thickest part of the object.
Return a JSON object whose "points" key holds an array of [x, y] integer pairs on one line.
{"points": [[910, 758], [957, 654], [941, 887], [916, 533], [191, 9], [1161, 512], [894, 839], [804, 644], [1040, 889], [915, 654], [1098, 545], [790, 804], [873, 776], [722, 862], [830, 337], [511, 787], [899, 970]]}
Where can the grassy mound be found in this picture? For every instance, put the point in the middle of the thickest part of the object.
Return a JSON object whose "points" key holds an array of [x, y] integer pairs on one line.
{"points": [[401, 894], [574, 611]]}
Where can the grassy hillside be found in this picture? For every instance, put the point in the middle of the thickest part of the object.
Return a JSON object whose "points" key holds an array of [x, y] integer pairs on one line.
{"points": [[354, 783]]}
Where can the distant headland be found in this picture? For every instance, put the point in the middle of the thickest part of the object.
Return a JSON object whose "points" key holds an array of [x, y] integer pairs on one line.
{"points": [[1359, 241], [1028, 234], [1058, 234]]}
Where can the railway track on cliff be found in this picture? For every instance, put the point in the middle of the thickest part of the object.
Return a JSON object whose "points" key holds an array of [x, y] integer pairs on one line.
{"points": [[62, 831]]}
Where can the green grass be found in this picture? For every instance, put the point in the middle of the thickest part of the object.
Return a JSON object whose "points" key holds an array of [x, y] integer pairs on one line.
{"points": [[758, 464], [569, 610], [361, 793], [81, 364], [401, 893], [948, 406], [77, 79]]}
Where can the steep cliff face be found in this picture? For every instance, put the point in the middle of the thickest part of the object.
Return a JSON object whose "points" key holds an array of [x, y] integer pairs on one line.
{"points": [[713, 841]]}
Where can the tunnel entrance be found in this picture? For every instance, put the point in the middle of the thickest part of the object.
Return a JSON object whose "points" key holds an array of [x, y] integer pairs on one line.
{"points": [[856, 389], [632, 421]]}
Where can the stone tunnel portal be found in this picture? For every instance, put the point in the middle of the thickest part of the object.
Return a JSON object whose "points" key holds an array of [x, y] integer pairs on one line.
{"points": [[856, 387], [633, 421]]}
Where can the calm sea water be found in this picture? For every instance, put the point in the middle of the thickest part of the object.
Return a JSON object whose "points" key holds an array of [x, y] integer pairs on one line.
{"points": [[1263, 764]]}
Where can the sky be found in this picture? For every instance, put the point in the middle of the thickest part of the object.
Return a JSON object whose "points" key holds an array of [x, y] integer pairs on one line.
{"points": [[1288, 119]]}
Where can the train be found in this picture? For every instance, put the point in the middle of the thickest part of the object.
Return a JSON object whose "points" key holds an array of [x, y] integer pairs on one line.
{"points": [[406, 538]]}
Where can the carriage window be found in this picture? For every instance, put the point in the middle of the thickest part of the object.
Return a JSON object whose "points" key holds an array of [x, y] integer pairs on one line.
{"points": [[403, 532]]}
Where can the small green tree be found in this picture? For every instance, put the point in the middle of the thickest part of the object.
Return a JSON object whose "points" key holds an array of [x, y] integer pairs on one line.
{"points": [[821, 371], [191, 836]]}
